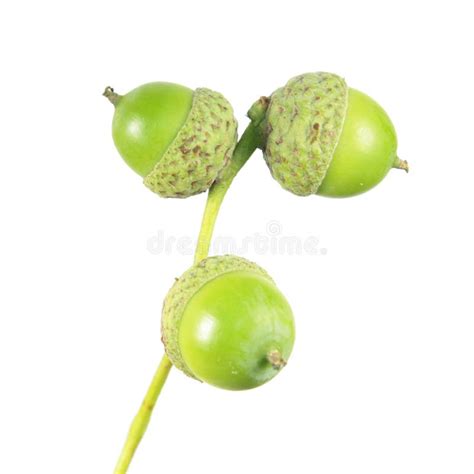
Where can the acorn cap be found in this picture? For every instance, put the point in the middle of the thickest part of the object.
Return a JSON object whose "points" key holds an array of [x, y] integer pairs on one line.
{"points": [[303, 125], [185, 288], [200, 151]]}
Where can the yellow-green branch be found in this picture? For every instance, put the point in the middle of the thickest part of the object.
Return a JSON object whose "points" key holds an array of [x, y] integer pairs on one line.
{"points": [[142, 418], [248, 143], [250, 140]]}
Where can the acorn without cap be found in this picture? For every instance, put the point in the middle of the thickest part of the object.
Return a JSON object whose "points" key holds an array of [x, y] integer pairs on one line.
{"points": [[322, 137], [226, 323], [177, 139]]}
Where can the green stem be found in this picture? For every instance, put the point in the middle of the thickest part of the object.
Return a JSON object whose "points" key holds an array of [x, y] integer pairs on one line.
{"points": [[140, 422], [251, 139]]}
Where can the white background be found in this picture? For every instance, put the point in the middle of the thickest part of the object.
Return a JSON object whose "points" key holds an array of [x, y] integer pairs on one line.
{"points": [[381, 378]]}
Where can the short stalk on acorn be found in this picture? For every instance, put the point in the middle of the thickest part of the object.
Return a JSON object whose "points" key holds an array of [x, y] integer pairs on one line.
{"points": [[401, 164], [112, 95]]}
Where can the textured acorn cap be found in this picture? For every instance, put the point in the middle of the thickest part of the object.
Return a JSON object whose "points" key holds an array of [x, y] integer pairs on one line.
{"points": [[303, 125], [185, 288], [200, 151]]}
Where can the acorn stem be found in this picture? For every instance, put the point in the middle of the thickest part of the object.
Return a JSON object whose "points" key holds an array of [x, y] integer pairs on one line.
{"points": [[250, 140], [112, 95], [401, 164], [140, 422], [276, 359]]}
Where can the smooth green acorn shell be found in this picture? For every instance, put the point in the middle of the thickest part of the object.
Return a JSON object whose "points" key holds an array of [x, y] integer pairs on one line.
{"points": [[146, 121], [237, 331], [200, 151], [185, 288], [366, 151]]}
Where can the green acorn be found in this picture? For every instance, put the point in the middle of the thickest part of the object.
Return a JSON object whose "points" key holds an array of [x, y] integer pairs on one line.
{"points": [[177, 139], [322, 137], [226, 323]]}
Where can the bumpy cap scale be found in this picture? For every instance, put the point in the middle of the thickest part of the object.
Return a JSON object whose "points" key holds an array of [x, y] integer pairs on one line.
{"points": [[185, 288], [200, 151], [304, 123]]}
